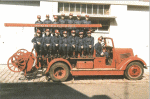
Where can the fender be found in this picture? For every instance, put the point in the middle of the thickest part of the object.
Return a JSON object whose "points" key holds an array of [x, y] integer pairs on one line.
{"points": [[58, 60], [123, 64]]}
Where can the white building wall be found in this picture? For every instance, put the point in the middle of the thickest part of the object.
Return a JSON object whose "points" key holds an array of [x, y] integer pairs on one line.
{"points": [[14, 38], [129, 30]]}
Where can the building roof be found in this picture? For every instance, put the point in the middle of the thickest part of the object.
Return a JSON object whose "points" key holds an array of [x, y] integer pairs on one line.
{"points": [[135, 3]]}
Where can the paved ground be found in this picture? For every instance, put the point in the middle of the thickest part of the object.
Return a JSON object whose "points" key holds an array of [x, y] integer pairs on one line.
{"points": [[7, 76], [96, 87], [50, 90]]}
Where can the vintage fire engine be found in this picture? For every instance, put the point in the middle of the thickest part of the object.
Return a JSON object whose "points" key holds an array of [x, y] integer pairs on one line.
{"points": [[121, 60]]}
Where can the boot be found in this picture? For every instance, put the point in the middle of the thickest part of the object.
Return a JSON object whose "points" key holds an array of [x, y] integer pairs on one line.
{"points": [[50, 53], [76, 54], [40, 54], [64, 55], [81, 55], [107, 63], [58, 55], [47, 56], [55, 55], [89, 55], [72, 55], [67, 55], [84, 55]]}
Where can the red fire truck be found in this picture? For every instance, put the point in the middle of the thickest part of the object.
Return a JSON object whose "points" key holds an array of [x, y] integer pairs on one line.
{"points": [[121, 61]]}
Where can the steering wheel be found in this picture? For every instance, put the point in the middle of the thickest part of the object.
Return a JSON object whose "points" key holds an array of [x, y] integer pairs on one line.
{"points": [[103, 44]]}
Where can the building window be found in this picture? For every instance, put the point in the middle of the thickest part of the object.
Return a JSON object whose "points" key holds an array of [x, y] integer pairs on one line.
{"points": [[66, 7], [95, 9], [77, 9], [83, 8], [72, 7], [88, 9], [100, 9], [60, 7], [105, 25], [106, 9]]}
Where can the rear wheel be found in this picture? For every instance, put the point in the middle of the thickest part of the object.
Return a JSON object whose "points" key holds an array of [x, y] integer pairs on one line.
{"points": [[134, 71], [59, 72]]}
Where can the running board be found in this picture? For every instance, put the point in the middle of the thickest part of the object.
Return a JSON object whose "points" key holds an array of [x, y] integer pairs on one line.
{"points": [[75, 69], [99, 71]]}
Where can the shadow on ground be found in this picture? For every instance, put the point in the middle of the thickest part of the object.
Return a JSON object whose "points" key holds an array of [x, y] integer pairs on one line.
{"points": [[42, 91]]}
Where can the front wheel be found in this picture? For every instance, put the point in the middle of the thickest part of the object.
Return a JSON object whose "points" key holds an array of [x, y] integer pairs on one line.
{"points": [[59, 72], [134, 71]]}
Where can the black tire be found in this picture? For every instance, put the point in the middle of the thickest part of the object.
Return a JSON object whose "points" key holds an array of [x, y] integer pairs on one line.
{"points": [[134, 71], [56, 73]]}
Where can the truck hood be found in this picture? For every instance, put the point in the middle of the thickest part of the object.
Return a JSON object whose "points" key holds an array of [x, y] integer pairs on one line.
{"points": [[123, 53]]}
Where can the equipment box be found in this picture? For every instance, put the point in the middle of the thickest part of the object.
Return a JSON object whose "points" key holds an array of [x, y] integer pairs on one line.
{"points": [[84, 64]]}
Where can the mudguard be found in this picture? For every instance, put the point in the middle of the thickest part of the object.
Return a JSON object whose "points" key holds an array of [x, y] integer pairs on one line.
{"points": [[58, 60], [124, 63]]}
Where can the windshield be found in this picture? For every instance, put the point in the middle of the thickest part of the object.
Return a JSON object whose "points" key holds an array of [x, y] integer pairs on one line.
{"points": [[108, 42]]}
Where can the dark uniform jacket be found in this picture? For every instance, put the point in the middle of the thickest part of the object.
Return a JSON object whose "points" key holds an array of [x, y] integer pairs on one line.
{"points": [[89, 41], [40, 28], [55, 22], [65, 40], [73, 40], [37, 39], [56, 40], [80, 41], [62, 22], [86, 22], [47, 40], [47, 22], [70, 21], [78, 22], [98, 48]]}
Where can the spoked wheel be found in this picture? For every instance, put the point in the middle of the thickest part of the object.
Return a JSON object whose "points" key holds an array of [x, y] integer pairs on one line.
{"points": [[16, 63], [134, 71], [22, 50], [59, 72]]}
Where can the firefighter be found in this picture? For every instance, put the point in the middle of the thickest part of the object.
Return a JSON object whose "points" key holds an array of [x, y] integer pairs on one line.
{"points": [[70, 21], [100, 51], [62, 21], [56, 21], [56, 41], [86, 21], [47, 21], [81, 45], [47, 43], [38, 22], [37, 41], [78, 21], [89, 44], [65, 45], [73, 44], [98, 47]]}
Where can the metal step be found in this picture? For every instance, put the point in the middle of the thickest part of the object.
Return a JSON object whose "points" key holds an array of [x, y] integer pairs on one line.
{"points": [[75, 69], [81, 58]]}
